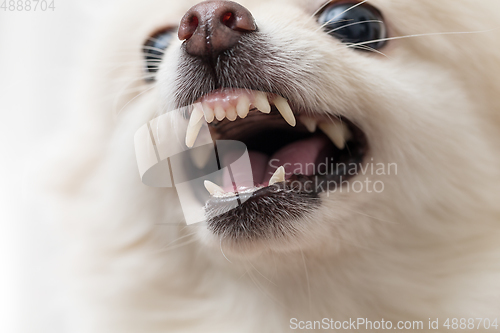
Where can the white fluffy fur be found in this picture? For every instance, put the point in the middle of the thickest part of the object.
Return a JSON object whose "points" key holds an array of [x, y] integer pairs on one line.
{"points": [[427, 247]]}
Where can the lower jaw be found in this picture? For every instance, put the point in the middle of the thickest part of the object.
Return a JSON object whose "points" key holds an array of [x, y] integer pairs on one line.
{"points": [[271, 212]]}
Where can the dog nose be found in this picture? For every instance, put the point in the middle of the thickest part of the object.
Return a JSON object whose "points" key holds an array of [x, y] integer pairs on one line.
{"points": [[212, 27]]}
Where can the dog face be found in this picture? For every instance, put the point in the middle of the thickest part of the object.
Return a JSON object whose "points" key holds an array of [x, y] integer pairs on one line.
{"points": [[374, 109]]}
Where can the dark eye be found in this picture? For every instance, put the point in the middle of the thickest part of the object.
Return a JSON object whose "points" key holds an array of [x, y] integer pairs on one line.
{"points": [[354, 24], [154, 48]]}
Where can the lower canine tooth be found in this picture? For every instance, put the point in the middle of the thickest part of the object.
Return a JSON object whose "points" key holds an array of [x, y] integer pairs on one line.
{"points": [[243, 106], [278, 176], [337, 132], [261, 102], [285, 110], [213, 188], [192, 133], [309, 123], [220, 113]]}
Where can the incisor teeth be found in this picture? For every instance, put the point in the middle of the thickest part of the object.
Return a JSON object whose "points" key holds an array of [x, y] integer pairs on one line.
{"points": [[261, 102], [220, 113], [337, 132], [309, 123], [209, 113], [196, 115], [192, 133], [213, 188], [243, 106], [278, 176], [201, 156], [231, 114], [285, 110]]}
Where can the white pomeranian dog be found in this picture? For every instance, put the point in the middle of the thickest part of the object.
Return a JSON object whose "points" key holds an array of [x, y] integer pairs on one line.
{"points": [[372, 133]]}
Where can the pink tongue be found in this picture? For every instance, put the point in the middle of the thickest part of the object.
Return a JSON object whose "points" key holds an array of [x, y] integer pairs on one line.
{"points": [[298, 157]]}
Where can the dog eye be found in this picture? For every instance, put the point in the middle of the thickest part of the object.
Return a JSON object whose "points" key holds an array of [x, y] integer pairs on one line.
{"points": [[354, 24], [154, 48]]}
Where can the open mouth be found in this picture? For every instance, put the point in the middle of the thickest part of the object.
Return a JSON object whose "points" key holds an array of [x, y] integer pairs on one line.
{"points": [[294, 156]]}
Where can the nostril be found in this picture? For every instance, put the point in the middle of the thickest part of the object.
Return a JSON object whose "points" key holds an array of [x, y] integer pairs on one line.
{"points": [[188, 26], [229, 20], [193, 23]]}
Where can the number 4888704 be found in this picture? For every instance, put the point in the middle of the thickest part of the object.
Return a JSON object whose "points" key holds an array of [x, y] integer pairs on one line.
{"points": [[27, 5], [471, 323]]}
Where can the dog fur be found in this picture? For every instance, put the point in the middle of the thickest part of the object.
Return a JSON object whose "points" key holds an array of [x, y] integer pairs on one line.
{"points": [[426, 247]]}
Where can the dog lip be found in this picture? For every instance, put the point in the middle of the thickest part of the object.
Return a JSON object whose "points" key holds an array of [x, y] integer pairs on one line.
{"points": [[258, 214]]}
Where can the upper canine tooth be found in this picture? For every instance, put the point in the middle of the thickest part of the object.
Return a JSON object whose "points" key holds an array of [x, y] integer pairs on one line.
{"points": [[213, 188], [285, 110], [243, 106], [337, 132], [231, 114], [208, 112], [278, 176], [261, 102], [196, 115], [192, 133], [220, 113], [309, 123]]}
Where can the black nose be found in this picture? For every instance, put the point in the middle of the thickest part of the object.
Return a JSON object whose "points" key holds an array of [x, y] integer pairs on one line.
{"points": [[212, 27]]}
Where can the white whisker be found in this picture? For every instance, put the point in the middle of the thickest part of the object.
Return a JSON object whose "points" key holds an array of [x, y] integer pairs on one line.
{"points": [[421, 35], [131, 100], [266, 278], [351, 24], [321, 8], [345, 11], [368, 48], [307, 281], [222, 251]]}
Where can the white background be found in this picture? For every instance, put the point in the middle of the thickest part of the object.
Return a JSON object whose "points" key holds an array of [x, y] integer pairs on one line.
{"points": [[39, 54]]}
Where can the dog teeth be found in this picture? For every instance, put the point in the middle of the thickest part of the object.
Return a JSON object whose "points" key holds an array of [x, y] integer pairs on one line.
{"points": [[196, 115], [337, 132], [309, 123], [278, 176], [238, 107], [243, 106], [194, 125], [231, 114], [261, 102], [213, 188], [208, 113], [285, 110], [192, 133], [220, 113]]}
